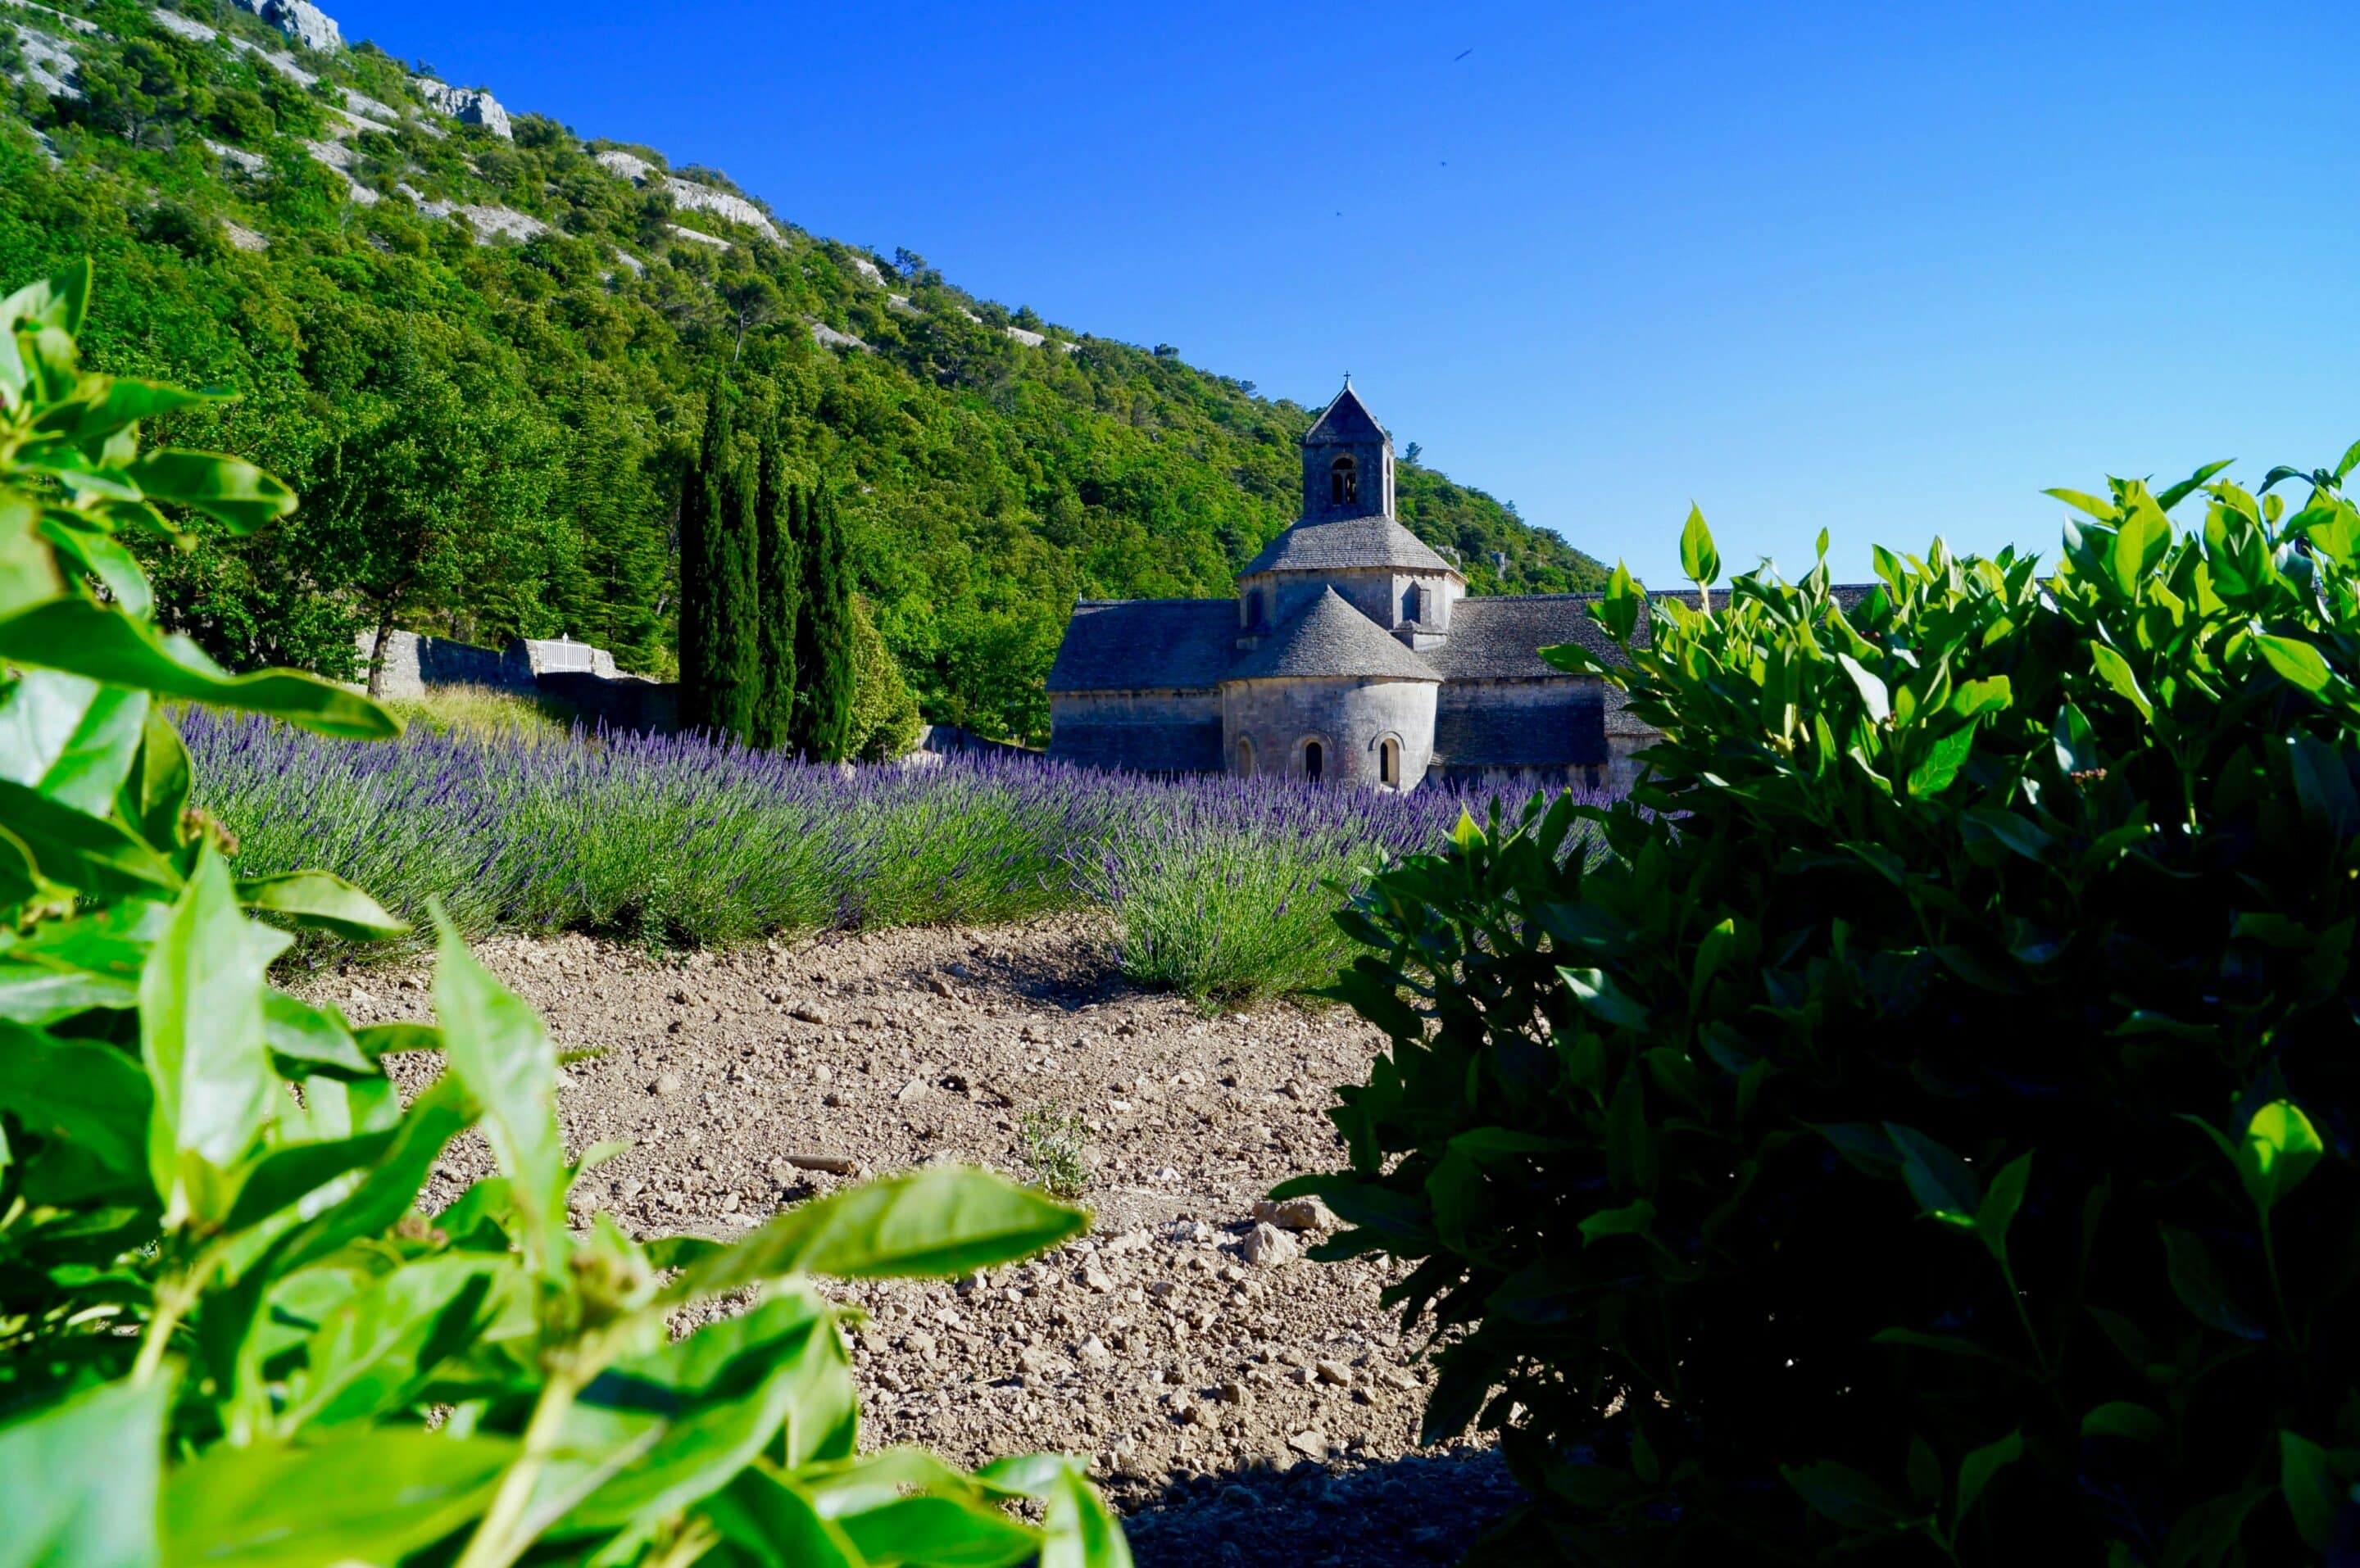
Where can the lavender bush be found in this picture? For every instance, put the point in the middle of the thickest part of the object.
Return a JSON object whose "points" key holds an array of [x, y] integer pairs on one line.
{"points": [[1218, 886]]}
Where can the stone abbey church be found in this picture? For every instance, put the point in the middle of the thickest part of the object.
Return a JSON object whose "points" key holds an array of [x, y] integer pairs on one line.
{"points": [[1351, 654]]}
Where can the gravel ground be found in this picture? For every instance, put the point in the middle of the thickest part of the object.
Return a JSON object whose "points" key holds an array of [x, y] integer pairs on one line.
{"points": [[1239, 1402]]}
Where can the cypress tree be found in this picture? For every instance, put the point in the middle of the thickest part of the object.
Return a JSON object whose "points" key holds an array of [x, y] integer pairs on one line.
{"points": [[734, 654], [701, 566], [778, 591], [826, 653]]}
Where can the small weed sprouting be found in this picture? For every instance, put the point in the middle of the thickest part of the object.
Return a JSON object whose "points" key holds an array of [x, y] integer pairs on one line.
{"points": [[1055, 1146]]}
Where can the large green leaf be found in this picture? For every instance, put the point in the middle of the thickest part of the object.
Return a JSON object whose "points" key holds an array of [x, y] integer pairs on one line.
{"points": [[942, 1220], [2297, 662], [35, 989], [388, 1189], [29, 567], [89, 1104], [1699, 561], [306, 1039], [1082, 1532], [156, 792], [203, 1037], [497, 1046], [939, 1531], [62, 967], [361, 1495], [324, 899], [102, 558], [1938, 1178], [88, 853], [1849, 1498], [2314, 1493], [79, 636], [228, 489], [905, 1506], [1976, 1470], [771, 1524], [119, 400], [379, 1346], [78, 1482], [72, 739], [2203, 1287], [684, 1419]]}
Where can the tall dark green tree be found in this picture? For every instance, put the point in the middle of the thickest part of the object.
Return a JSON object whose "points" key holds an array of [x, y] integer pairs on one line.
{"points": [[697, 507], [737, 609], [778, 591], [826, 650], [718, 613]]}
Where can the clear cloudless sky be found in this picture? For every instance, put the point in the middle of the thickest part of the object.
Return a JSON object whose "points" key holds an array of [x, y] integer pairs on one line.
{"points": [[1886, 269]]}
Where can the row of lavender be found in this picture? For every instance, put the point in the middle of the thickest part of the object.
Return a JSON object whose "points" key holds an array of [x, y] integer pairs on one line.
{"points": [[1220, 887]]}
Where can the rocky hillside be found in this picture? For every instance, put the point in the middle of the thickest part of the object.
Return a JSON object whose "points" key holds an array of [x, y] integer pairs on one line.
{"points": [[482, 345]]}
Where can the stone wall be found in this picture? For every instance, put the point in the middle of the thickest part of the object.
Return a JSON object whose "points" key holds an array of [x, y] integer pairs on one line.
{"points": [[1555, 725], [1375, 592], [581, 677], [937, 742], [1349, 717], [1626, 736], [1146, 732]]}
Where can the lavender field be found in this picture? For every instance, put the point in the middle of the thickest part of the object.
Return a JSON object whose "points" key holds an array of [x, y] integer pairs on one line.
{"points": [[1218, 887]]}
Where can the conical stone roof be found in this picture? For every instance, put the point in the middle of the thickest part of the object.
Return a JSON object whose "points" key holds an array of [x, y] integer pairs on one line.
{"points": [[1329, 637], [1344, 543]]}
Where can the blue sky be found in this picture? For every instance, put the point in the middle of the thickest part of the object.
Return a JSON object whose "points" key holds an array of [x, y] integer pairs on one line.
{"points": [[1887, 270]]}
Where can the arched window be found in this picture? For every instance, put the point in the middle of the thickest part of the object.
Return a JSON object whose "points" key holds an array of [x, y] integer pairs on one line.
{"points": [[1413, 603], [1256, 611], [1314, 760], [1245, 758], [1343, 481], [1389, 762]]}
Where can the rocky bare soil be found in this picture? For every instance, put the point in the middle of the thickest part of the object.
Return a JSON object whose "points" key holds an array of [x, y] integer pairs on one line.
{"points": [[1240, 1402]]}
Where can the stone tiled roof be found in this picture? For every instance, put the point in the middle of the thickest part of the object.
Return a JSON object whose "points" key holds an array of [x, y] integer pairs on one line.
{"points": [[1146, 645], [1329, 637], [1346, 421], [1498, 637], [1151, 645], [1346, 542]]}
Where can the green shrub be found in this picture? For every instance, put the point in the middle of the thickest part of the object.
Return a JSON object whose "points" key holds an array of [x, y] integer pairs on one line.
{"points": [[228, 1334], [1928, 1135]]}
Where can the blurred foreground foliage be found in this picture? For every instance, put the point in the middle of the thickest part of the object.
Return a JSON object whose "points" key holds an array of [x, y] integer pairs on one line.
{"points": [[228, 1331]]}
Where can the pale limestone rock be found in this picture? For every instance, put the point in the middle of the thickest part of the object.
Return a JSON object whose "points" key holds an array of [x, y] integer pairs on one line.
{"points": [[48, 64], [251, 162], [691, 196], [469, 105], [300, 20], [1294, 1213], [630, 165], [1267, 1247]]}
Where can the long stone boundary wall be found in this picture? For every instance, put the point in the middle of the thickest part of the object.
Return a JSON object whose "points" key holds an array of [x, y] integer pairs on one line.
{"points": [[581, 677]]}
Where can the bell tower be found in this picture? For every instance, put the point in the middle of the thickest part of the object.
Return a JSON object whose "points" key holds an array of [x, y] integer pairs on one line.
{"points": [[1348, 463]]}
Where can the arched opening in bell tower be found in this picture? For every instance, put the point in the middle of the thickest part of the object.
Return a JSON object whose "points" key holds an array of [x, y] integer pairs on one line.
{"points": [[1343, 481]]}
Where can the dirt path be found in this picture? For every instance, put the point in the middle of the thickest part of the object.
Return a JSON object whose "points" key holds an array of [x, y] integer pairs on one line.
{"points": [[1244, 1404]]}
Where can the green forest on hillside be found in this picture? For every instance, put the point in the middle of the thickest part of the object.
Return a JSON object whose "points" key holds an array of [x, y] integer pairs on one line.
{"points": [[488, 412]]}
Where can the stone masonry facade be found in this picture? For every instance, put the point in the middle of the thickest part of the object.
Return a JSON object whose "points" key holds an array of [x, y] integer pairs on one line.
{"points": [[1351, 654]]}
